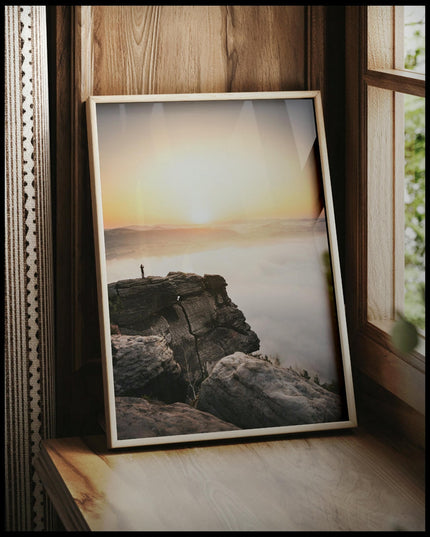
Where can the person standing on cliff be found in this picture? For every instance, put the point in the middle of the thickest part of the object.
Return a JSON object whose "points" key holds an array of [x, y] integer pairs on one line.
{"points": [[142, 271]]}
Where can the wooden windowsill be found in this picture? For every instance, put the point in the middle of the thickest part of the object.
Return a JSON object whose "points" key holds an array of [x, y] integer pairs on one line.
{"points": [[415, 358], [402, 376], [347, 481]]}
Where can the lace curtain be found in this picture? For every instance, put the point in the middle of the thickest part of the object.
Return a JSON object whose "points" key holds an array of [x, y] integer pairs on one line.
{"points": [[29, 331]]}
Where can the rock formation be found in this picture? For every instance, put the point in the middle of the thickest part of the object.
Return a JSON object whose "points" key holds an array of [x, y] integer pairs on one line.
{"points": [[144, 365], [182, 364], [252, 393], [193, 313], [139, 418]]}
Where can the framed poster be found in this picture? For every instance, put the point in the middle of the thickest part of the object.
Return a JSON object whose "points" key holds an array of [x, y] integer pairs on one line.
{"points": [[221, 306]]}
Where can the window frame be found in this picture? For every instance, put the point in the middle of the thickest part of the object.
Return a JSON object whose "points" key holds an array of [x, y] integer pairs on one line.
{"points": [[371, 349]]}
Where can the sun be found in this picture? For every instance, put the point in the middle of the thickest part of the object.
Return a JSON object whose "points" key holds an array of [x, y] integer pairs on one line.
{"points": [[200, 215]]}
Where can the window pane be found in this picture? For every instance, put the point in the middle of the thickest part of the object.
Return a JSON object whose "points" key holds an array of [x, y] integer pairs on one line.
{"points": [[414, 38], [415, 210]]}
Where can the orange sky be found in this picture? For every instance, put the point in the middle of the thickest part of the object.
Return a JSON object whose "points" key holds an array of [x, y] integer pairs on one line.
{"points": [[205, 162]]}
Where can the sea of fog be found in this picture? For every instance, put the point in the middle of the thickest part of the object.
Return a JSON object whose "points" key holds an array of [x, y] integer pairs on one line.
{"points": [[280, 286]]}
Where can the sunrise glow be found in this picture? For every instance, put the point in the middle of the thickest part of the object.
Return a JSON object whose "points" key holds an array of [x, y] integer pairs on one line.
{"points": [[201, 163]]}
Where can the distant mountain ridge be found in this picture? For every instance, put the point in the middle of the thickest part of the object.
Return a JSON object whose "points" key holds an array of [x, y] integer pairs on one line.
{"points": [[147, 241]]}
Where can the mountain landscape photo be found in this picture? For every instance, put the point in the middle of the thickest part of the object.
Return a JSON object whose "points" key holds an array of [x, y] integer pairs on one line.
{"points": [[181, 341], [221, 299]]}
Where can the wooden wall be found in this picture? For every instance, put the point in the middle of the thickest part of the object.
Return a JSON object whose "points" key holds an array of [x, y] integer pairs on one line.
{"points": [[103, 50]]}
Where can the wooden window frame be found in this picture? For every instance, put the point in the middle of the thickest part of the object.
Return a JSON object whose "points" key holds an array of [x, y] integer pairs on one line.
{"points": [[373, 294]]}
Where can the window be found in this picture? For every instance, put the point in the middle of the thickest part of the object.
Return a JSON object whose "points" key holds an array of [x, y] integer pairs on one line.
{"points": [[414, 106], [413, 37], [396, 172], [385, 194], [414, 304]]}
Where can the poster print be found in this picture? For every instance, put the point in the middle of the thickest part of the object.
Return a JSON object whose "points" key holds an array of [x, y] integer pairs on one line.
{"points": [[219, 285]]}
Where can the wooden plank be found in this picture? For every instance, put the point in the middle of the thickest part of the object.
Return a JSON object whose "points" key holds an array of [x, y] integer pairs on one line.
{"points": [[376, 359], [355, 187], [193, 49], [384, 414], [327, 483], [59, 494], [401, 81], [380, 36], [316, 39], [380, 205]]}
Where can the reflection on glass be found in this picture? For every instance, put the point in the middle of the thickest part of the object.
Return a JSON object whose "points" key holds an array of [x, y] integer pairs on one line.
{"points": [[240, 199], [414, 38], [217, 257], [415, 210]]}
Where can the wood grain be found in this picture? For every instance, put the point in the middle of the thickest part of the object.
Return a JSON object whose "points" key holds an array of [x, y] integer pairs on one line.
{"points": [[328, 483], [195, 49], [355, 189], [401, 81], [316, 61], [398, 376], [380, 205], [381, 51]]}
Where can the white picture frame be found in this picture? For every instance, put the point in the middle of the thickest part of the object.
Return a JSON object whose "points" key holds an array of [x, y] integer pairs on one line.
{"points": [[204, 190]]}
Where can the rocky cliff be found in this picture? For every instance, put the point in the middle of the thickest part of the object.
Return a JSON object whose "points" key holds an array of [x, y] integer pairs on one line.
{"points": [[182, 364], [251, 392], [193, 314], [145, 366], [140, 418]]}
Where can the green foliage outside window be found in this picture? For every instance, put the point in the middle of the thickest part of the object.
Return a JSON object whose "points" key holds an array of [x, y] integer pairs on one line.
{"points": [[415, 210], [414, 309], [415, 38]]}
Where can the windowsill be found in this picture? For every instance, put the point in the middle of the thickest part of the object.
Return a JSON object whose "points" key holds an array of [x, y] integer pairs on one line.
{"points": [[402, 375], [417, 357], [212, 487]]}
